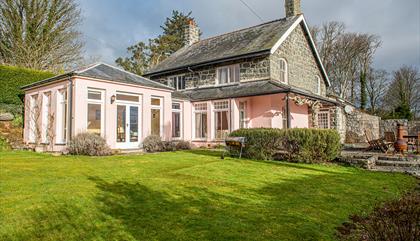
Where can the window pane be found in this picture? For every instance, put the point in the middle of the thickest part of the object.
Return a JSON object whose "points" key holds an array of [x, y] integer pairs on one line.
{"points": [[176, 106], [94, 95], [176, 124], [323, 120], [200, 125], [156, 101], [222, 125], [155, 128], [134, 124], [223, 75], [94, 118], [181, 84], [132, 98], [121, 127], [237, 74]]}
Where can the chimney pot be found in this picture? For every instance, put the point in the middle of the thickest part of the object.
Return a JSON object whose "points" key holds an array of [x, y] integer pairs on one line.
{"points": [[292, 8]]}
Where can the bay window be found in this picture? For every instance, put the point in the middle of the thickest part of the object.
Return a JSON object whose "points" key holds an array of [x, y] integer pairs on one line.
{"points": [[200, 116], [228, 74], [221, 114]]}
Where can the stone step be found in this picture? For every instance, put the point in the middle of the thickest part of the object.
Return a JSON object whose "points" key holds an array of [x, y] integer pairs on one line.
{"points": [[413, 164], [407, 170]]}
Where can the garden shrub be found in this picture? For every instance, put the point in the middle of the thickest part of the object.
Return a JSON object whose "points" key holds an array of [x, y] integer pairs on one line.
{"points": [[183, 145], [153, 143], [169, 146], [396, 220], [296, 145], [13, 78], [4, 145], [89, 144], [261, 143]]}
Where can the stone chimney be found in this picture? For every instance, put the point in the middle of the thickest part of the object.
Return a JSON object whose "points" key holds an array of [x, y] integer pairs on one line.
{"points": [[192, 33], [292, 8]]}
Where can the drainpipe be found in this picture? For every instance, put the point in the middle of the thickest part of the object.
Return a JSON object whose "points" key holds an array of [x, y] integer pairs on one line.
{"points": [[289, 119], [70, 100]]}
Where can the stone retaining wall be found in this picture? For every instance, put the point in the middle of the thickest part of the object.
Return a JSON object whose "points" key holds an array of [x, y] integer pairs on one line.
{"points": [[356, 124]]}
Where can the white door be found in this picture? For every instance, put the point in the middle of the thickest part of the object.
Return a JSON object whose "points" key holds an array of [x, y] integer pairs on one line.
{"points": [[128, 132]]}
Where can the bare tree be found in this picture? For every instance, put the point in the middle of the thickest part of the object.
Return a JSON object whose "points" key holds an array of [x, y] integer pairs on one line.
{"points": [[40, 34], [376, 86], [404, 89], [346, 56]]}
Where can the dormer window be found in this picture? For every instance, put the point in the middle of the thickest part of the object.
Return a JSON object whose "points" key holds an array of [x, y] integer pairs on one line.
{"points": [[283, 71], [228, 74], [177, 82], [318, 84]]}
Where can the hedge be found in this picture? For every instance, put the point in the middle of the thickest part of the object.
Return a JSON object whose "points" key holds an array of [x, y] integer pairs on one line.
{"points": [[13, 78], [296, 145]]}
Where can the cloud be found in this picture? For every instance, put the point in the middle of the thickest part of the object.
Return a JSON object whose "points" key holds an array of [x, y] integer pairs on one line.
{"points": [[111, 26]]}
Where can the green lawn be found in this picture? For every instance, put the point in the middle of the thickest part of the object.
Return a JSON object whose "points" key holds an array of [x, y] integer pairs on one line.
{"points": [[181, 196]]}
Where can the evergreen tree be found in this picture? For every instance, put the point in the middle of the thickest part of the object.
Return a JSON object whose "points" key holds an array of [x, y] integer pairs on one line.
{"points": [[144, 56]]}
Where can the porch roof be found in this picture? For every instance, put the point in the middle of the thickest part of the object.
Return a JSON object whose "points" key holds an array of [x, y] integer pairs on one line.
{"points": [[245, 89]]}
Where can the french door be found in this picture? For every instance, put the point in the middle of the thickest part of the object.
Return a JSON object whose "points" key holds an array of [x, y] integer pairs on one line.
{"points": [[128, 127]]}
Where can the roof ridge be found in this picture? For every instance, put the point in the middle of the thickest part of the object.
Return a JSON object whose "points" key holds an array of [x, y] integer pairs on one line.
{"points": [[243, 29]]}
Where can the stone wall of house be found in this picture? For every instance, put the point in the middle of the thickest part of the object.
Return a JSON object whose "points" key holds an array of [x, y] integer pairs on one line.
{"points": [[251, 69], [339, 122], [356, 124], [413, 127], [302, 65]]}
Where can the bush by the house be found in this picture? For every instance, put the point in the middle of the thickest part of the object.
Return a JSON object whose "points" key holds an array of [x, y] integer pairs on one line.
{"points": [[153, 143], [169, 146], [12, 78], [296, 145], [4, 145], [396, 220], [183, 145], [89, 145], [261, 143]]}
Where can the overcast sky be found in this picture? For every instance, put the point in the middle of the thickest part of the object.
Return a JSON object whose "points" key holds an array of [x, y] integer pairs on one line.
{"points": [[110, 26]]}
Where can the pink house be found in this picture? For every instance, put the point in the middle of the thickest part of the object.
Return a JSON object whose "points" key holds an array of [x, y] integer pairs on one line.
{"points": [[269, 75]]}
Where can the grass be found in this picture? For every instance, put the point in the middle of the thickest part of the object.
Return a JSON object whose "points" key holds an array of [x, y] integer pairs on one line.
{"points": [[182, 196]]}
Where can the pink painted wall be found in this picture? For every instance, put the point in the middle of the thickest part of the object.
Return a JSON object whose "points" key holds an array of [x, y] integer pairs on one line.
{"points": [[110, 89], [262, 111], [40, 91]]}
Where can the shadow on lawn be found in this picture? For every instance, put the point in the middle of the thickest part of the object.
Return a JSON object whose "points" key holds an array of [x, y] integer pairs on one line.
{"points": [[306, 208]]}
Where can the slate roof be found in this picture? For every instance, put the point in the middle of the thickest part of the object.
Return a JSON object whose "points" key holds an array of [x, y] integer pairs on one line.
{"points": [[244, 89], [104, 72], [253, 40]]}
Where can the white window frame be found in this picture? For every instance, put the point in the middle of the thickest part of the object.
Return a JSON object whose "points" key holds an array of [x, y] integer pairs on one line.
{"points": [[33, 101], [97, 102], [126, 101], [177, 79], [181, 120], [244, 109], [45, 117], [318, 82], [156, 107], [286, 71], [327, 112], [216, 110], [229, 68], [200, 111], [62, 116]]}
